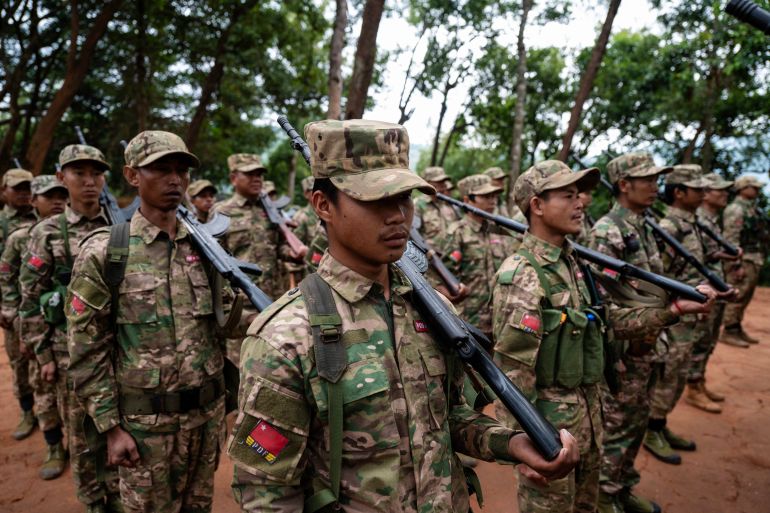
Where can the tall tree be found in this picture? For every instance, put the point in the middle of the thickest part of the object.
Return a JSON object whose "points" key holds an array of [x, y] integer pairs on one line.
{"points": [[521, 92], [363, 63], [335, 60], [587, 80]]}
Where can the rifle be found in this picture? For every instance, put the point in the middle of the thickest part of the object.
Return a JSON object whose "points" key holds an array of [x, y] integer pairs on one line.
{"points": [[275, 217], [599, 259], [749, 12], [454, 332], [449, 279], [16, 162]]}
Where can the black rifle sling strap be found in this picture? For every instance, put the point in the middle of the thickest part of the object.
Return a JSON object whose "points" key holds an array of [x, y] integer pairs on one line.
{"points": [[331, 361], [115, 266]]}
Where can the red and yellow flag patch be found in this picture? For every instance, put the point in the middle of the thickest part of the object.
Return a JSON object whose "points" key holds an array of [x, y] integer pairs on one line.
{"points": [[36, 262], [266, 441]]}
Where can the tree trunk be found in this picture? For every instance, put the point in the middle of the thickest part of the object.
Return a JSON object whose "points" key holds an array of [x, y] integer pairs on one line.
{"points": [[363, 64], [521, 94], [587, 80], [456, 127], [690, 149], [335, 61], [141, 96], [78, 64], [437, 138]]}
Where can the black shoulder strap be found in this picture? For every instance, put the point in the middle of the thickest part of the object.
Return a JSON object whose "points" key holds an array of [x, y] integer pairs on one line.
{"points": [[115, 266], [65, 235]]}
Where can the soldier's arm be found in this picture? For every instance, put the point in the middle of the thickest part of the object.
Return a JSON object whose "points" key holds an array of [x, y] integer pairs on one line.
{"points": [[642, 324], [9, 281], [90, 338], [35, 278], [733, 224], [668, 255]]}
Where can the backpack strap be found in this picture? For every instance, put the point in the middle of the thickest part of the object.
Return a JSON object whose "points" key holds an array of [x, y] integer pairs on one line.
{"points": [[540, 273], [65, 235], [331, 362], [115, 266]]}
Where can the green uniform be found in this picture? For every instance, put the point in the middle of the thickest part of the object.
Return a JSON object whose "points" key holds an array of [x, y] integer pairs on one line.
{"points": [[160, 376], [435, 216]]}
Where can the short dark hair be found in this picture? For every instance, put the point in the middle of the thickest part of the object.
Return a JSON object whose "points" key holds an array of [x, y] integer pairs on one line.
{"points": [[670, 189], [543, 196], [616, 189], [325, 186]]}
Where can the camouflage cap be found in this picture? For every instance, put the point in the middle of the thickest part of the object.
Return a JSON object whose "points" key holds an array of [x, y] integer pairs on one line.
{"points": [[716, 182], [198, 186], [477, 184], [496, 173], [268, 187], [82, 152], [634, 165], [435, 174], [689, 175], [549, 175], [245, 162], [151, 145], [367, 160], [747, 181], [307, 184], [16, 176], [44, 183]]}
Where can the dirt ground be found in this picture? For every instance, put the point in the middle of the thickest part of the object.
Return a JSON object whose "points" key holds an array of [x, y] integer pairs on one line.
{"points": [[730, 471]]}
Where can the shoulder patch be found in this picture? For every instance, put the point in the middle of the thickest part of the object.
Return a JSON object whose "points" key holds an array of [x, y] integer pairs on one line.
{"points": [[270, 312], [509, 268]]}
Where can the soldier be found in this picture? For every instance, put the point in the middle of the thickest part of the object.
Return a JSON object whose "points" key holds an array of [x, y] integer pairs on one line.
{"points": [[17, 213], [539, 295], [473, 250], [43, 278], [305, 218], [499, 179], [160, 402], [270, 190], [202, 195], [744, 226], [49, 197], [584, 237], [397, 389], [434, 214], [621, 233]]}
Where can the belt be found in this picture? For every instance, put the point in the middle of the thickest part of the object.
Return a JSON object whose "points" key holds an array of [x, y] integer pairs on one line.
{"points": [[182, 401]]}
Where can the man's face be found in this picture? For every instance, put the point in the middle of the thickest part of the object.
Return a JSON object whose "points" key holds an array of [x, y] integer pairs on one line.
{"points": [[640, 192], [586, 198], [204, 200], [716, 198], [84, 180], [248, 184], [18, 196], [690, 198], [486, 202], [162, 183], [50, 203], [499, 182], [562, 210], [749, 192], [370, 232], [442, 187]]}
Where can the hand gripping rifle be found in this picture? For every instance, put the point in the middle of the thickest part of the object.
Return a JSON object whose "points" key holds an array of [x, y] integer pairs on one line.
{"points": [[454, 332]]}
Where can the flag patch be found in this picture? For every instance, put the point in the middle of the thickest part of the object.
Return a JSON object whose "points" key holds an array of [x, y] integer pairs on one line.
{"points": [[5, 268], [266, 441], [456, 256], [420, 326], [35, 261], [192, 258], [78, 306], [529, 323], [609, 272], [316, 258]]}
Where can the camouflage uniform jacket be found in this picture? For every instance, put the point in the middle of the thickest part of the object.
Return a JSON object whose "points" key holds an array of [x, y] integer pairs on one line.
{"points": [[165, 328], [436, 216], [401, 424], [681, 225], [307, 224], [743, 227], [474, 250], [11, 220], [252, 238], [36, 276], [710, 246], [10, 261]]}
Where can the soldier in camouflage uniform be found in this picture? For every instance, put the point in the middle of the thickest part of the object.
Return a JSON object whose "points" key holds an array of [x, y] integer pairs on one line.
{"points": [[744, 226], [305, 218], [202, 194], [473, 250], [684, 194], [544, 271], [17, 213], [621, 233], [152, 382], [43, 278], [49, 197], [398, 394], [435, 215], [499, 179], [584, 237]]}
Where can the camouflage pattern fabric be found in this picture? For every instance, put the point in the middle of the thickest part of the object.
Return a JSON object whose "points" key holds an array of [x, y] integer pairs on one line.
{"points": [[634, 165], [401, 424], [316, 249], [166, 342], [151, 145], [16, 176], [473, 250], [244, 162], [435, 215], [11, 220], [549, 175], [82, 152], [307, 222], [477, 184], [681, 225], [517, 334]]}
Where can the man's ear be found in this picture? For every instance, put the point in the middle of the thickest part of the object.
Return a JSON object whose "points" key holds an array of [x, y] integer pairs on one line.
{"points": [[131, 175], [321, 205], [233, 176]]}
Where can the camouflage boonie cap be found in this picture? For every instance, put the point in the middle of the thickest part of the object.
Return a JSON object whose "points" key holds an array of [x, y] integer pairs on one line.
{"points": [[16, 176], [549, 175], [634, 165], [496, 173], [367, 160], [268, 187], [44, 183], [151, 145], [689, 175], [77, 152], [307, 184], [748, 181], [198, 186], [477, 184], [716, 182], [435, 174], [245, 162]]}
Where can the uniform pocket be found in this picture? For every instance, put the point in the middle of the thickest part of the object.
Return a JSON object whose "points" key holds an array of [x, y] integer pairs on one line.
{"points": [[136, 382], [435, 382], [137, 303], [201, 291]]}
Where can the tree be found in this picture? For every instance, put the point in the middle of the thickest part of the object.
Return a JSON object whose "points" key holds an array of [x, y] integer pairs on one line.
{"points": [[363, 63], [521, 93], [335, 60]]}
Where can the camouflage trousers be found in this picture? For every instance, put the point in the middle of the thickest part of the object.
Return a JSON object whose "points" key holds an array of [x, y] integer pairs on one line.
{"points": [[625, 422], [46, 405], [579, 491], [705, 346], [93, 479], [746, 287], [682, 337], [20, 365]]}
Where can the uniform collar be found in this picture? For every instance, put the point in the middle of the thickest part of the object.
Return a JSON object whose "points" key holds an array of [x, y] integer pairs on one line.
{"points": [[744, 201], [352, 286], [142, 227], [11, 212], [681, 214], [240, 200], [628, 215], [476, 225], [705, 214], [74, 217], [544, 250]]}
